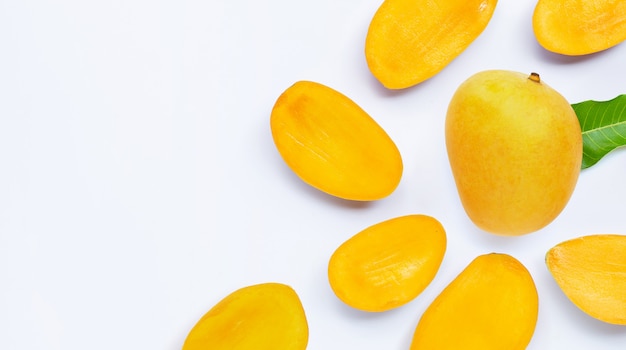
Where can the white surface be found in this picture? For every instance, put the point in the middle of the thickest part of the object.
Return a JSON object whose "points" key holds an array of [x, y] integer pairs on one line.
{"points": [[140, 184]]}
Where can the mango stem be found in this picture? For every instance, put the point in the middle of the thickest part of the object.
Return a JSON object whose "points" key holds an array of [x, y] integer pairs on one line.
{"points": [[534, 77]]}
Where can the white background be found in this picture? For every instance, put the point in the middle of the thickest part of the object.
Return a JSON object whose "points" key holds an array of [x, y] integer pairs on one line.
{"points": [[139, 183]]}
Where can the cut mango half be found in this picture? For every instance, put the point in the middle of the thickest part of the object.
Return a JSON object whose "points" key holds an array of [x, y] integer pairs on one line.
{"points": [[388, 264], [333, 145], [266, 316], [410, 41], [492, 304], [591, 271], [576, 27]]}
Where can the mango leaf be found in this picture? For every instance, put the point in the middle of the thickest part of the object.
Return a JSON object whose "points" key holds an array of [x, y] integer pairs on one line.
{"points": [[603, 125]]}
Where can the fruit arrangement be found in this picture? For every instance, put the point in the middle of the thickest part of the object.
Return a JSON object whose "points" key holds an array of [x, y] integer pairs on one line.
{"points": [[515, 147], [372, 174]]}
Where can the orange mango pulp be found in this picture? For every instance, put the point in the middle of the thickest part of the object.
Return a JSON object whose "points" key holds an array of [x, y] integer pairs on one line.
{"points": [[266, 316], [575, 27], [492, 304], [333, 145], [591, 271], [388, 264], [410, 41]]}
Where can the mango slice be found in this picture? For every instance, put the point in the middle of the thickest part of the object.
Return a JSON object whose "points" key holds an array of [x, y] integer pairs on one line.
{"points": [[575, 27], [591, 271], [387, 264], [492, 304], [263, 316], [334, 145], [410, 41]]}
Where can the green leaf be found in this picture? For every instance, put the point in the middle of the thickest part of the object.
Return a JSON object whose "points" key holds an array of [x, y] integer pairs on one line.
{"points": [[603, 125]]}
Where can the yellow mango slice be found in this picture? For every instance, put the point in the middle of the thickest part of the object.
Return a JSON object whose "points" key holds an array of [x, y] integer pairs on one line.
{"points": [[266, 316], [492, 304], [591, 271], [410, 41], [387, 264], [576, 27], [333, 145]]}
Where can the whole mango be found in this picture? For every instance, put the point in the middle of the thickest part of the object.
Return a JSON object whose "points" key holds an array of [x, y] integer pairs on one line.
{"points": [[515, 150]]}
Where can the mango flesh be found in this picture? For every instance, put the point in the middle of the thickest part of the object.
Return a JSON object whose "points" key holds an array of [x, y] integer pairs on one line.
{"points": [[333, 145], [387, 264], [410, 41], [591, 271], [575, 27], [263, 316], [492, 304], [515, 149]]}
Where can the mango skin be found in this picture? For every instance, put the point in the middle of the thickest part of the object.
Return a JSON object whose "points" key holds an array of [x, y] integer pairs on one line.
{"points": [[575, 27], [333, 145], [410, 41], [591, 270], [492, 304], [265, 316], [515, 151], [388, 264]]}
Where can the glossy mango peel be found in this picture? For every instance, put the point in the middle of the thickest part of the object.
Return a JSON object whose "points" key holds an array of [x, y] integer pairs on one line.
{"points": [[515, 150]]}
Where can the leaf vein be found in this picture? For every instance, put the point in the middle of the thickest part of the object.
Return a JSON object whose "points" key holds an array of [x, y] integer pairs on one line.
{"points": [[603, 127]]}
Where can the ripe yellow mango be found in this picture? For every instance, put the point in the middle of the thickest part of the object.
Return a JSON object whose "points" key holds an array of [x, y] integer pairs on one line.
{"points": [[333, 145], [591, 271], [515, 149], [410, 41], [388, 264], [266, 316], [575, 27], [492, 304]]}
